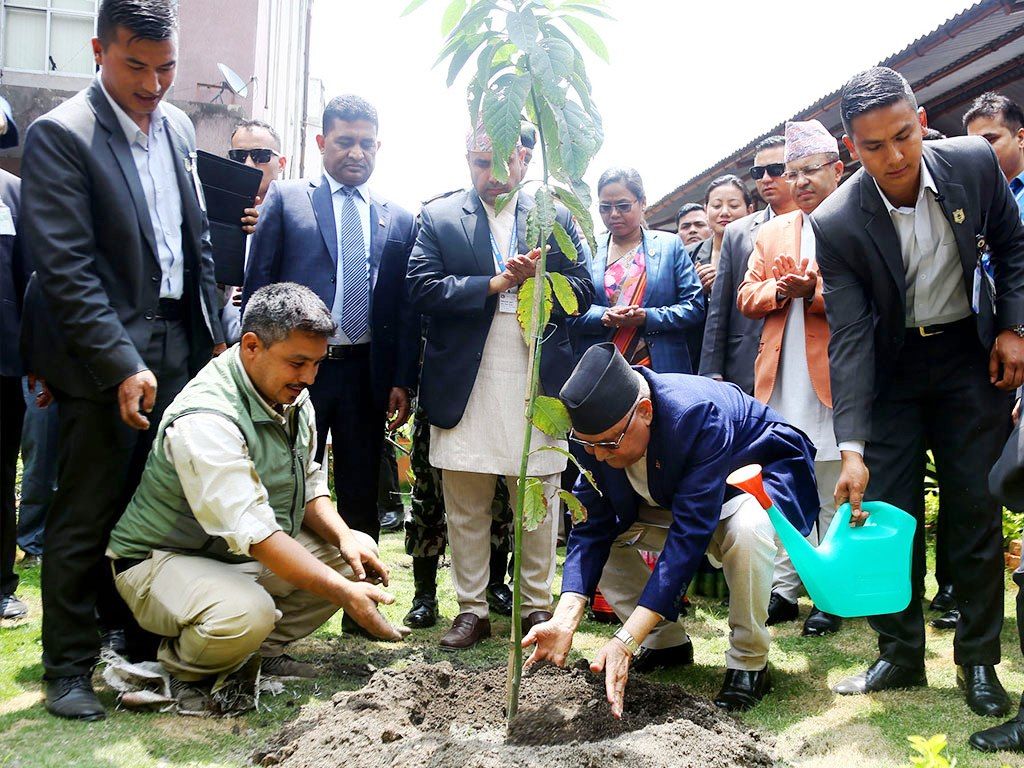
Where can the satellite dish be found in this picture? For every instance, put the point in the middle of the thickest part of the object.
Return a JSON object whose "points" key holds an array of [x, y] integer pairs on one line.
{"points": [[233, 82]]}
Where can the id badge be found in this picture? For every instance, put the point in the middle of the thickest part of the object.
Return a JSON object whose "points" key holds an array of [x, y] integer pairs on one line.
{"points": [[976, 291], [508, 302], [6, 221]]}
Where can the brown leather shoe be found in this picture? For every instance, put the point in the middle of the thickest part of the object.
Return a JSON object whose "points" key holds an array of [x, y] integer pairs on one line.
{"points": [[467, 630], [535, 618]]}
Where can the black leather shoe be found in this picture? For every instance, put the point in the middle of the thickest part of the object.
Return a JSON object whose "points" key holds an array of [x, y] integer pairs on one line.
{"points": [[943, 599], [741, 690], [115, 640], [499, 598], [819, 623], [984, 693], [947, 620], [781, 610], [423, 613], [73, 698], [881, 676], [11, 608], [1008, 737], [390, 521], [649, 659]]}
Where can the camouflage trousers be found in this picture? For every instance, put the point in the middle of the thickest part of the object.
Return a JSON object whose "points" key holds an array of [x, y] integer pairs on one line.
{"points": [[426, 530]]}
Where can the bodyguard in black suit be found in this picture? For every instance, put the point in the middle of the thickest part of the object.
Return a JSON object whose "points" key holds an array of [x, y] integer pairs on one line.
{"points": [[120, 313], [922, 255]]}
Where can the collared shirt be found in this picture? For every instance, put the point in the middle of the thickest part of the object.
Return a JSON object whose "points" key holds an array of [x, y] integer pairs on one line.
{"points": [[931, 260], [501, 225], [1017, 189], [219, 479], [362, 202], [154, 158]]}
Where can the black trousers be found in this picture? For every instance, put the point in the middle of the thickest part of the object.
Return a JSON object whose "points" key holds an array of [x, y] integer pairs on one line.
{"points": [[99, 464], [12, 415], [940, 398], [343, 399]]}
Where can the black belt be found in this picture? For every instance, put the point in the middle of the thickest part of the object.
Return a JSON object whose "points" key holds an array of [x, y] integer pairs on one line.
{"points": [[170, 309], [122, 564], [347, 351], [925, 331]]}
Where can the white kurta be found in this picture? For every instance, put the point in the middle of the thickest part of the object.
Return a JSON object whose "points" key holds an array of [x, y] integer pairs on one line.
{"points": [[489, 437], [794, 396]]}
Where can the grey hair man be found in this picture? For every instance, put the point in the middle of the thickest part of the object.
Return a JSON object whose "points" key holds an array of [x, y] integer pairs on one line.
{"points": [[231, 545]]}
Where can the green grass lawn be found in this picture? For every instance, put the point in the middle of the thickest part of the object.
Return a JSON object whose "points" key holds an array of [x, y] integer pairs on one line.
{"points": [[811, 726]]}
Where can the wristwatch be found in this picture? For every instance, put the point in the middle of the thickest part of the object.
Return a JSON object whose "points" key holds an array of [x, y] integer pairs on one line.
{"points": [[627, 640], [1017, 329]]}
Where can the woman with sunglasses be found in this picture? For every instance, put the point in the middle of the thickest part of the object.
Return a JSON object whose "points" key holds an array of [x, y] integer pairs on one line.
{"points": [[648, 295]]}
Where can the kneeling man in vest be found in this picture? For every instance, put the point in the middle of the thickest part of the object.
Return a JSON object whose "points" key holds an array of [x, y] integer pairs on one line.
{"points": [[231, 544]]}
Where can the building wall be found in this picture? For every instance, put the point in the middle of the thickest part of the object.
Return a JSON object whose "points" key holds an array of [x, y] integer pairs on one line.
{"points": [[213, 32]]}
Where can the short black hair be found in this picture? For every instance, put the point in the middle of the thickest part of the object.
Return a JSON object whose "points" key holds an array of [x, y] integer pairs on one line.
{"points": [[930, 134], [873, 89], [349, 108], [992, 104], [248, 125], [687, 208], [627, 177], [527, 135], [145, 19], [729, 178], [769, 142]]}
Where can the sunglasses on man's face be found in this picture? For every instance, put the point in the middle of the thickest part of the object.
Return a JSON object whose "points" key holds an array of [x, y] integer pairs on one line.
{"points": [[259, 156], [772, 169], [610, 445]]}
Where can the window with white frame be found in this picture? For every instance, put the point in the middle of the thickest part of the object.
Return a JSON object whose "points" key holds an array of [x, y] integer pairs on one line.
{"points": [[48, 36]]}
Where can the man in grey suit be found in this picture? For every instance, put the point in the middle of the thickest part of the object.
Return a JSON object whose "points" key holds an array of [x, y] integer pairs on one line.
{"points": [[120, 313], [922, 256], [730, 338]]}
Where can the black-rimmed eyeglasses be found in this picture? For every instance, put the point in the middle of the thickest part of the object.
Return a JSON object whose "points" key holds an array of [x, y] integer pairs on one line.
{"points": [[610, 445]]}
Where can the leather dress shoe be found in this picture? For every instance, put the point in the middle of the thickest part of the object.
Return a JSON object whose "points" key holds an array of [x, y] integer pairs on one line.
{"points": [[881, 676], [352, 627], [781, 610], [947, 620], [115, 640], [390, 521], [533, 619], [73, 698], [819, 623], [943, 599], [499, 598], [12, 608], [1008, 737], [467, 630], [984, 693], [741, 690], [423, 613], [649, 659]]}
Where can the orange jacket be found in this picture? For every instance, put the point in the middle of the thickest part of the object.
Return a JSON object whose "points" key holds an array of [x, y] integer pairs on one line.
{"points": [[756, 299]]}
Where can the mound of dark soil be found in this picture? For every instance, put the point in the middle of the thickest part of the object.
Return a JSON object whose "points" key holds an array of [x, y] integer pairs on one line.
{"points": [[442, 717]]}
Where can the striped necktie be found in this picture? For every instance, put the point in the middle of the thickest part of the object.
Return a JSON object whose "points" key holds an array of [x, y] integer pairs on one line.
{"points": [[355, 295]]}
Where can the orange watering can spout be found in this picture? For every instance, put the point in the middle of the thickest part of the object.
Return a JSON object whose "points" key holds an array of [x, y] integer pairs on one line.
{"points": [[749, 479]]}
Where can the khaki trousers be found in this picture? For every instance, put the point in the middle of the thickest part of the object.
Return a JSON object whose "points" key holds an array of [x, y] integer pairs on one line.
{"points": [[467, 502], [744, 544], [214, 615], [787, 581]]}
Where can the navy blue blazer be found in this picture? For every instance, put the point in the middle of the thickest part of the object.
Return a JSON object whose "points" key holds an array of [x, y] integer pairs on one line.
{"points": [[702, 430], [296, 241], [449, 273], [673, 300], [14, 275]]}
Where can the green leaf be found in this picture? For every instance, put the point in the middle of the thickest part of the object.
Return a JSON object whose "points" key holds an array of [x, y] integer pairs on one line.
{"points": [[504, 199], [523, 29], [583, 470], [451, 16], [503, 113], [580, 140], [532, 229], [461, 56], [587, 8], [564, 240], [551, 128], [471, 21], [551, 62], [569, 199], [589, 36], [545, 212], [563, 291], [535, 506], [561, 56], [412, 7], [524, 310], [575, 507], [551, 417]]}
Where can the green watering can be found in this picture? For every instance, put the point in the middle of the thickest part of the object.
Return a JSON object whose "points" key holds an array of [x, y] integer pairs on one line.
{"points": [[862, 571]]}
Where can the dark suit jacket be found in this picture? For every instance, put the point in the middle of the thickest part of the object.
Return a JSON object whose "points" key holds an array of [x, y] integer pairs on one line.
{"points": [[449, 270], [702, 430], [858, 252], [92, 302], [296, 241], [14, 274], [730, 338]]}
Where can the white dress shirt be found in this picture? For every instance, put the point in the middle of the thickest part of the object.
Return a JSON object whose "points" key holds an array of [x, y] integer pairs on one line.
{"points": [[501, 225], [154, 158], [934, 275], [219, 479], [362, 202]]}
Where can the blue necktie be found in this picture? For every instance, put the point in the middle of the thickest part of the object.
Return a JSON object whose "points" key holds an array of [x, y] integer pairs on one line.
{"points": [[1016, 185], [355, 295]]}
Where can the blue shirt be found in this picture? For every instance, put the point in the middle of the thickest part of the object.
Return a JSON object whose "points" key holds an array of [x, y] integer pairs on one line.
{"points": [[154, 158], [1017, 189], [362, 201]]}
